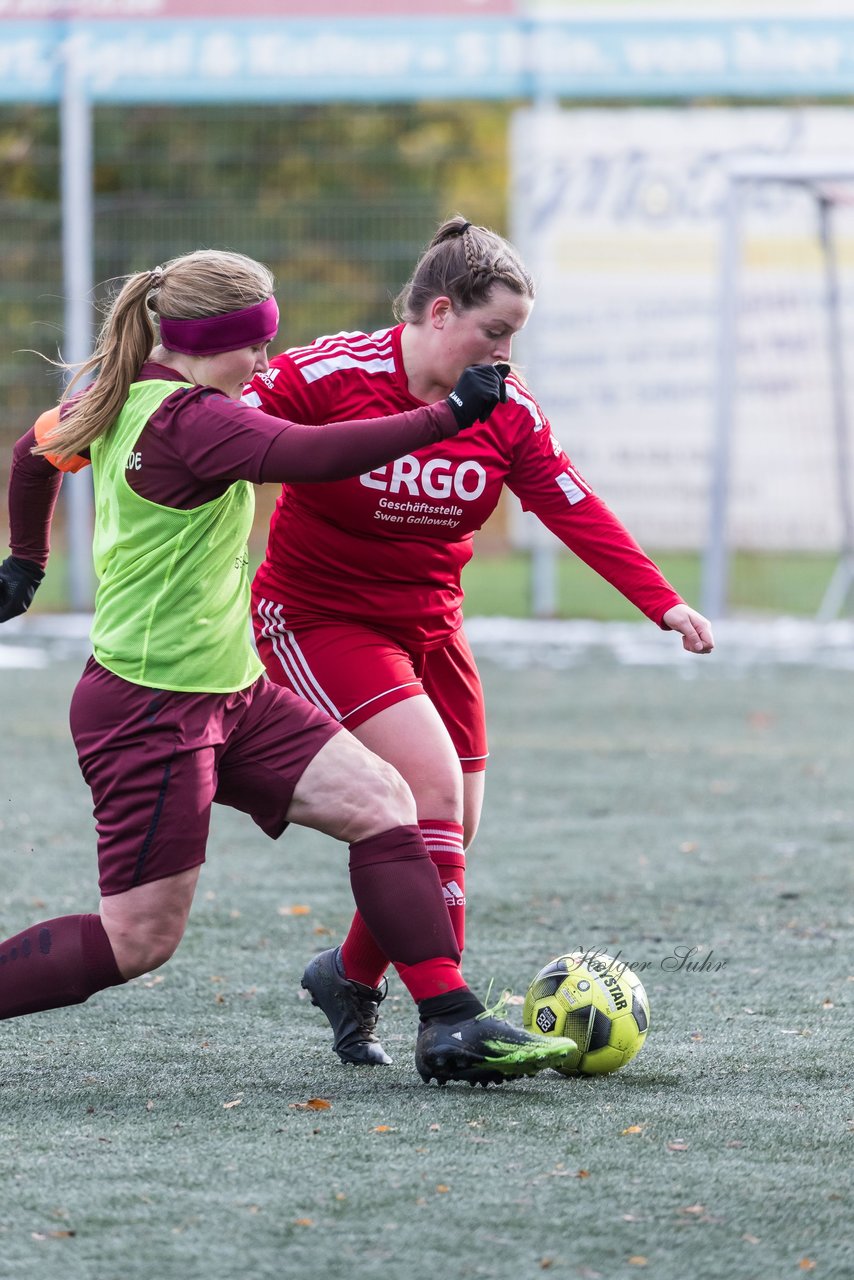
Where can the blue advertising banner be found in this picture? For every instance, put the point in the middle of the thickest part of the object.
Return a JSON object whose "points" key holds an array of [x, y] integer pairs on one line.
{"points": [[280, 59]]}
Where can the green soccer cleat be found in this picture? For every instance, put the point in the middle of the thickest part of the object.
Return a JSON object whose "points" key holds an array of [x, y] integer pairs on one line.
{"points": [[487, 1050]]}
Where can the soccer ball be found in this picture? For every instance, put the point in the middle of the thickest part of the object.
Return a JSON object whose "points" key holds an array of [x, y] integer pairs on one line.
{"points": [[595, 1000]]}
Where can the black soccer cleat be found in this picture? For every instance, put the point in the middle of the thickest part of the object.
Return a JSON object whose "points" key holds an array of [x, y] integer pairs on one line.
{"points": [[351, 1007], [487, 1050]]}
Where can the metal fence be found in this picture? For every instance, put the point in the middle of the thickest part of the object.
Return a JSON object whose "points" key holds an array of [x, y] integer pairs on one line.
{"points": [[338, 200]]}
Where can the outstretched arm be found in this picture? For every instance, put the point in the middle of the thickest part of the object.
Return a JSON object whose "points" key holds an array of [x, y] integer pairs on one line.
{"points": [[33, 488], [696, 631], [341, 449]]}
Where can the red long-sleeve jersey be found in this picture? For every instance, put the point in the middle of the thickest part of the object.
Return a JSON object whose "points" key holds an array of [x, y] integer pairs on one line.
{"points": [[388, 548]]}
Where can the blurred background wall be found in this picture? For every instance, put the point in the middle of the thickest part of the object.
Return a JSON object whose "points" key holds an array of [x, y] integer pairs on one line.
{"points": [[329, 137]]}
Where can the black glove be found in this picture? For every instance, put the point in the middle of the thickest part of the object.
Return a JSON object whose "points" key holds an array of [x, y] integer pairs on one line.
{"points": [[18, 582], [479, 389]]}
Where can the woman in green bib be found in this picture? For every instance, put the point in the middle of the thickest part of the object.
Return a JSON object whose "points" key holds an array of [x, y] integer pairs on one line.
{"points": [[172, 712]]}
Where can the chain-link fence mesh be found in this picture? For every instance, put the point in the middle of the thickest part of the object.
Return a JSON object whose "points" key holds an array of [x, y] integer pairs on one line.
{"points": [[337, 200]]}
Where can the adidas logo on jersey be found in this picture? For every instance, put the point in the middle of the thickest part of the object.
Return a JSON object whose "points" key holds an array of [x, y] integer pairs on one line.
{"points": [[453, 894]]}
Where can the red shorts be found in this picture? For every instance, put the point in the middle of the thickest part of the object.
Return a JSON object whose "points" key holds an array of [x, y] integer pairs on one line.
{"points": [[156, 760], [352, 672]]}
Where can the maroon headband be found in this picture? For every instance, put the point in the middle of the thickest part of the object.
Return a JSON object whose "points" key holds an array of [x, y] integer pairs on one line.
{"points": [[211, 335]]}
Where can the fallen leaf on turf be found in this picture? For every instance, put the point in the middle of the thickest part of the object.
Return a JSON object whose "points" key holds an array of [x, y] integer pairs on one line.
{"points": [[37, 1235], [806, 1264], [696, 1036], [693, 1208], [313, 1104], [736, 1142], [298, 909], [322, 929], [434, 1128], [633, 1128], [638, 1260], [304, 1222], [61, 1235], [383, 1128], [583, 1173], [749, 1239], [827, 1004], [545, 1263], [631, 1217], [149, 1106], [519, 1000], [677, 1145], [441, 1188], [235, 1102]]}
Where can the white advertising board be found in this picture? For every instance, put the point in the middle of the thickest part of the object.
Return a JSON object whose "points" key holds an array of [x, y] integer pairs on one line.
{"points": [[619, 214]]}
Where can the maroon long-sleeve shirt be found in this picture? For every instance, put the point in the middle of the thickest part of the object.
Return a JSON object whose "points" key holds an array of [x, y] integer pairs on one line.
{"points": [[199, 441]]}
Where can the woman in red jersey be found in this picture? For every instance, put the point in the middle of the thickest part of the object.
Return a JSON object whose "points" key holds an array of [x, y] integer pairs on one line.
{"points": [[172, 711], [358, 604]]}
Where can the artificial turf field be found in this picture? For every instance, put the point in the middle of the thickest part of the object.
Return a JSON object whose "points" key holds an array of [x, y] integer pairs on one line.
{"points": [[164, 1129]]}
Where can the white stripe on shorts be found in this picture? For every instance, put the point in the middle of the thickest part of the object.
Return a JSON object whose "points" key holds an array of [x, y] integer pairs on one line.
{"points": [[292, 659]]}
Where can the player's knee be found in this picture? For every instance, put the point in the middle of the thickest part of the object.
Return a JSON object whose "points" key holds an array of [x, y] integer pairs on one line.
{"points": [[138, 950], [440, 796]]}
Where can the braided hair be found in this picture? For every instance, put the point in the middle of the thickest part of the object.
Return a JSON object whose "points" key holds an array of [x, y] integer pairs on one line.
{"points": [[462, 262]]}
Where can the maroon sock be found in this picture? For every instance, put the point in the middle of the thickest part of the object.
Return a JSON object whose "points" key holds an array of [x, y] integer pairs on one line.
{"points": [[362, 959], [55, 963], [399, 896]]}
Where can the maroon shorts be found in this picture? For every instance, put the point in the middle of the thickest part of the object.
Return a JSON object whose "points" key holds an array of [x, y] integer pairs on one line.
{"points": [[353, 672], [156, 760]]}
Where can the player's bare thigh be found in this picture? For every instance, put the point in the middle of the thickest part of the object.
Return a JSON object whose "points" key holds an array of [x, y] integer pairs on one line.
{"points": [[412, 736], [350, 793]]}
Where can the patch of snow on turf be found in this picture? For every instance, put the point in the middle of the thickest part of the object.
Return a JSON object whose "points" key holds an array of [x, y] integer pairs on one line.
{"points": [[522, 642], [517, 643]]}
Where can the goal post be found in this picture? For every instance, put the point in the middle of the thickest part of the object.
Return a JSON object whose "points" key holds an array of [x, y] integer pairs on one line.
{"points": [[811, 365]]}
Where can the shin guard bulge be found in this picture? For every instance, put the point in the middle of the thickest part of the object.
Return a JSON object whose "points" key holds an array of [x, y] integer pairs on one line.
{"points": [[55, 963], [363, 960], [399, 895]]}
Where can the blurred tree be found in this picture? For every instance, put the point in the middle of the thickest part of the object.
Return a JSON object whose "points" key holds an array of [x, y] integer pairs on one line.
{"points": [[339, 199]]}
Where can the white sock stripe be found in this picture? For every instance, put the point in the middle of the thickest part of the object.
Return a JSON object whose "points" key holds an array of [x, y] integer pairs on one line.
{"points": [[436, 842]]}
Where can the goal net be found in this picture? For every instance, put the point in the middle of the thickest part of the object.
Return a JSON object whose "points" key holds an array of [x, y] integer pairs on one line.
{"points": [[781, 472]]}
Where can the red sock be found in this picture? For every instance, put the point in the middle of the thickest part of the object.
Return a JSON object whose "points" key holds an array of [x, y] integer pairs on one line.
{"points": [[430, 978], [55, 963], [444, 841], [399, 896], [362, 959]]}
